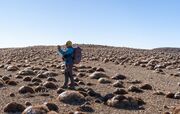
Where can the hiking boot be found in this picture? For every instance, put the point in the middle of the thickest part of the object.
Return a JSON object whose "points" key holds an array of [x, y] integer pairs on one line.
{"points": [[71, 87], [64, 87]]}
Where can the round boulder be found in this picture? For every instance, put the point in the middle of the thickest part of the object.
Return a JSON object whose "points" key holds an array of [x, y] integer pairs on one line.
{"points": [[50, 85], [51, 106], [41, 109], [118, 84], [97, 75], [13, 108], [12, 68], [71, 97], [119, 77], [104, 80], [25, 89]]}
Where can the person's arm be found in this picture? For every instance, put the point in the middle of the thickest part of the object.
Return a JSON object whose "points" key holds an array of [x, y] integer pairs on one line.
{"points": [[60, 51]]}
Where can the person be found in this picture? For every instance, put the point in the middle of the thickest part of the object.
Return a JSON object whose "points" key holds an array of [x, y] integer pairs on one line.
{"points": [[68, 58]]}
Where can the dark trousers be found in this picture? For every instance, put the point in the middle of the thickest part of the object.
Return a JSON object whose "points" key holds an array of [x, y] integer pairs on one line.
{"points": [[68, 75]]}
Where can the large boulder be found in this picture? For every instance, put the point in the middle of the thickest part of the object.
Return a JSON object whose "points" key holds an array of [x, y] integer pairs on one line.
{"points": [[14, 107], [71, 97]]}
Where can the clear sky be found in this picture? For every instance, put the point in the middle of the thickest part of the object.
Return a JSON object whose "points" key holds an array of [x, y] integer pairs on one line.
{"points": [[128, 23]]}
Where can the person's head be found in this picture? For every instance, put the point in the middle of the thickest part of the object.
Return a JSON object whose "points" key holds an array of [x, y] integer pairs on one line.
{"points": [[69, 44]]}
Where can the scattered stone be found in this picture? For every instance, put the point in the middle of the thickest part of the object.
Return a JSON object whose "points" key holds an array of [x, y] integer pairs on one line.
{"points": [[50, 74], [120, 101], [1, 83], [158, 93], [36, 80], [71, 97], [18, 77], [106, 60], [5, 78], [81, 74], [12, 68], [51, 79], [135, 82], [92, 93], [104, 80], [14, 107], [50, 85], [177, 74], [170, 95], [26, 71], [97, 75], [119, 77], [60, 90], [85, 108], [146, 87], [107, 97], [51, 106], [120, 91], [12, 95], [100, 69], [118, 84], [89, 84], [81, 83], [134, 89], [177, 95], [41, 109], [12, 83], [28, 103], [27, 78], [41, 89], [41, 76], [25, 89]]}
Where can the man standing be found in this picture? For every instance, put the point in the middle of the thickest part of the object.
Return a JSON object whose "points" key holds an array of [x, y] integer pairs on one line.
{"points": [[68, 58]]}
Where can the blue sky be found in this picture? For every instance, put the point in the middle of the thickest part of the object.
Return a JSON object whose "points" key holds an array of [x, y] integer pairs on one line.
{"points": [[128, 23]]}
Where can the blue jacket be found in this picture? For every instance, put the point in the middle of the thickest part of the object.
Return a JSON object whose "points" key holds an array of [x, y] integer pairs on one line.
{"points": [[67, 54]]}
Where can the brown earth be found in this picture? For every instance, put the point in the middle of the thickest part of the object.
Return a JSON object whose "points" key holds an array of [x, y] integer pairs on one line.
{"points": [[159, 68]]}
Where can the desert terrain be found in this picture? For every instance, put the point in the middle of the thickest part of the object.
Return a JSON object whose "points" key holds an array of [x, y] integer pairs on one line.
{"points": [[109, 80]]}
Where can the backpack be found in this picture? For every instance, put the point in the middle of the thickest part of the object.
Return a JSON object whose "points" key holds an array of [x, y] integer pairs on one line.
{"points": [[77, 55]]}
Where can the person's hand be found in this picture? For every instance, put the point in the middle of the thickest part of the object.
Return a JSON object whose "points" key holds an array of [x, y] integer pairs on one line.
{"points": [[59, 47]]}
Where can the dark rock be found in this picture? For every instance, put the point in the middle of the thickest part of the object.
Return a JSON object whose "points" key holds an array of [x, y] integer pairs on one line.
{"points": [[170, 95], [51, 106], [119, 77], [120, 91], [41, 109], [27, 78], [135, 89], [118, 84], [25, 89], [13, 108], [50, 85], [146, 87]]}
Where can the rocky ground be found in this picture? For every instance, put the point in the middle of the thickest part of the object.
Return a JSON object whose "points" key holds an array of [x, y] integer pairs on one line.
{"points": [[109, 80]]}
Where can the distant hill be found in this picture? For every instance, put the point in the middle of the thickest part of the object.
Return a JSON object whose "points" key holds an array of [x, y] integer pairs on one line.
{"points": [[168, 49]]}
